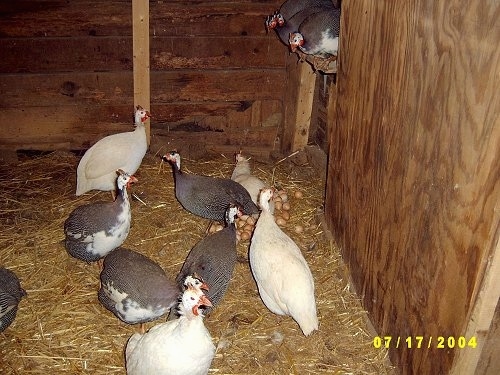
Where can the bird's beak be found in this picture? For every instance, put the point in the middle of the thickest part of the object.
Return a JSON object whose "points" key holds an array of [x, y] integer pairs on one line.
{"points": [[132, 180], [204, 301]]}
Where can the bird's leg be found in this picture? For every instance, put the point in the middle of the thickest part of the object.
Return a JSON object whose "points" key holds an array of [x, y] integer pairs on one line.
{"points": [[142, 330], [113, 194]]}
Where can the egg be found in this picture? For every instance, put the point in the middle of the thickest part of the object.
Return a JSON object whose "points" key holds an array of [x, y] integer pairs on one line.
{"points": [[299, 229], [298, 194], [280, 221], [245, 235], [283, 195], [285, 215], [250, 220], [286, 206], [278, 205], [248, 228]]}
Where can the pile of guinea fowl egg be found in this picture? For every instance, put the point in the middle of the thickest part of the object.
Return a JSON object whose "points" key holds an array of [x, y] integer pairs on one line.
{"points": [[245, 224]]}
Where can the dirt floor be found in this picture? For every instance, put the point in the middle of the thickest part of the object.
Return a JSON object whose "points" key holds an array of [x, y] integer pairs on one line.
{"points": [[62, 328]]}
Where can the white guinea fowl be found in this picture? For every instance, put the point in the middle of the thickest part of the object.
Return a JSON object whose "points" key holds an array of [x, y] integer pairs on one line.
{"points": [[243, 175], [182, 346], [283, 277], [97, 167]]}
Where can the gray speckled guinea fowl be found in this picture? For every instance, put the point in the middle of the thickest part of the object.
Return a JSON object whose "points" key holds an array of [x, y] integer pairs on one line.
{"points": [[93, 230], [135, 288], [290, 8], [207, 196], [318, 34], [213, 259], [285, 27], [11, 294]]}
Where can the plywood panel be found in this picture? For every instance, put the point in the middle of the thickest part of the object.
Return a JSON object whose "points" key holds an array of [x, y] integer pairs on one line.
{"points": [[413, 173]]}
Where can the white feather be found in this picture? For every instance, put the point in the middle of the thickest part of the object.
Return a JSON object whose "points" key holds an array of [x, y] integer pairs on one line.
{"points": [[283, 277]]}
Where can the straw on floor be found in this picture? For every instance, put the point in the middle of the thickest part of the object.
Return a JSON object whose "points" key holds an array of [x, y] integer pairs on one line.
{"points": [[62, 328]]}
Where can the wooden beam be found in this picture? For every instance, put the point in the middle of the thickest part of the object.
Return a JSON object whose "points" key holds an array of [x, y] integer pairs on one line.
{"points": [[300, 85], [467, 359], [140, 47]]}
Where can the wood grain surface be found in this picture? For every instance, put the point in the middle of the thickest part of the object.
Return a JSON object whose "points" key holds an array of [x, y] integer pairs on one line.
{"points": [[414, 168]]}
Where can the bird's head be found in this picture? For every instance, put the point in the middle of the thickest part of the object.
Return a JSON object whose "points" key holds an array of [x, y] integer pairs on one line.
{"points": [[273, 21], [193, 298], [232, 212], [265, 196], [173, 158], [195, 281], [125, 179], [295, 40], [141, 115]]}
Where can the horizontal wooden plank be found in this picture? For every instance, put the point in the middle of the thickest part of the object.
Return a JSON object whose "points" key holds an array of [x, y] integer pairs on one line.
{"points": [[25, 90], [102, 18], [39, 55], [80, 126], [260, 140]]}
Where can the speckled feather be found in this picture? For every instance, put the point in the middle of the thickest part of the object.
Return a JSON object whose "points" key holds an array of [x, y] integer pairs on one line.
{"points": [[213, 259], [92, 225], [11, 294], [209, 197], [292, 23], [320, 32], [292, 7], [135, 288]]}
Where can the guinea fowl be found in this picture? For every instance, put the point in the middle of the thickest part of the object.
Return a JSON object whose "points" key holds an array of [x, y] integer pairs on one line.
{"points": [[283, 277], [182, 346], [213, 259], [318, 34], [288, 19], [207, 196], [292, 7], [97, 167], [11, 294], [95, 229], [135, 288], [243, 176]]}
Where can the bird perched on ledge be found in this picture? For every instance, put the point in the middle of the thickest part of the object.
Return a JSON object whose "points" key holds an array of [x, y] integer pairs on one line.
{"points": [[318, 34]]}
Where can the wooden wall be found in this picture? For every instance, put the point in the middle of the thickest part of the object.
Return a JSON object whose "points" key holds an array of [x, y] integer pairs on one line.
{"points": [[66, 73], [413, 178]]}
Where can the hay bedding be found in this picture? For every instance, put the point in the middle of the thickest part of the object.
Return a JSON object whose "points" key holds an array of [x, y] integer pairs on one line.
{"points": [[62, 328]]}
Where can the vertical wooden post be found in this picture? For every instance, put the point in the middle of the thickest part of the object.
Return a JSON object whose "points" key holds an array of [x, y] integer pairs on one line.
{"points": [[140, 46], [301, 81]]}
